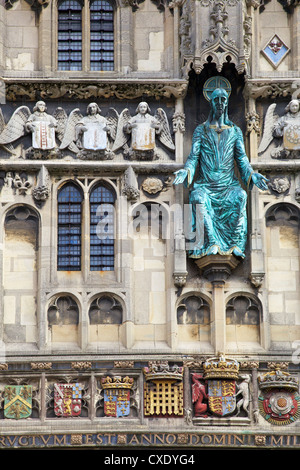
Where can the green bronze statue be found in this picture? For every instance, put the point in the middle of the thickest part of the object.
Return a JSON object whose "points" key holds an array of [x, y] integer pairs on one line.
{"points": [[216, 193]]}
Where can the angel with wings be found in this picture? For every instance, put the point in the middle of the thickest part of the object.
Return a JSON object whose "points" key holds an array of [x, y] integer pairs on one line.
{"points": [[286, 128], [143, 129], [90, 133], [43, 127]]}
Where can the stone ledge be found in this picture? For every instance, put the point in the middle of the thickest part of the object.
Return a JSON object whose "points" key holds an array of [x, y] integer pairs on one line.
{"points": [[217, 268]]}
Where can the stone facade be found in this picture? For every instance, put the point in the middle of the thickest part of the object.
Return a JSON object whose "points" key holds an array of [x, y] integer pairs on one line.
{"points": [[133, 342]]}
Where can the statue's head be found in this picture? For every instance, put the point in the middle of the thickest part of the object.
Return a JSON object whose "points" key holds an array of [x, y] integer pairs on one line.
{"points": [[143, 108], [293, 106], [219, 106], [93, 108], [219, 101], [40, 106]]}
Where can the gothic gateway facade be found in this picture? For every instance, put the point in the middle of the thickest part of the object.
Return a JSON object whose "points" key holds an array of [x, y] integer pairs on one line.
{"points": [[111, 335]]}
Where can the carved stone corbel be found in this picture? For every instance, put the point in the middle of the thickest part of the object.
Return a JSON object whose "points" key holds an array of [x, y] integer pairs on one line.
{"points": [[178, 122], [36, 5]]}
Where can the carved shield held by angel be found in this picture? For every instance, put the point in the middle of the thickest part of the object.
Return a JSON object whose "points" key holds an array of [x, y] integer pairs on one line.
{"points": [[90, 133], [43, 127], [285, 129], [142, 129]]}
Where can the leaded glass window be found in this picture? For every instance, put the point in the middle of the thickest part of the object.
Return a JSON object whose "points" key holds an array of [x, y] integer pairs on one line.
{"points": [[70, 35], [69, 228], [102, 229], [100, 51], [102, 35]]}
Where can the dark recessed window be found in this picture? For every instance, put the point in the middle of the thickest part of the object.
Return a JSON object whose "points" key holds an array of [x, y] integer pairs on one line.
{"points": [[102, 229], [69, 228]]}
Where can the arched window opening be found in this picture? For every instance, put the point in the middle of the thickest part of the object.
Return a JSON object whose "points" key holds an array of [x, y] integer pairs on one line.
{"points": [[69, 228], [102, 231]]}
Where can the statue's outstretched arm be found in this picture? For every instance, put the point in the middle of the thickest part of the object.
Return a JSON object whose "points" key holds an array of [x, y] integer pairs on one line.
{"points": [[186, 175]]}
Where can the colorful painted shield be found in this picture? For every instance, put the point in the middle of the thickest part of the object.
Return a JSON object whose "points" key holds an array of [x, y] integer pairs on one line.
{"points": [[17, 401], [116, 402], [221, 396], [291, 136], [67, 399]]}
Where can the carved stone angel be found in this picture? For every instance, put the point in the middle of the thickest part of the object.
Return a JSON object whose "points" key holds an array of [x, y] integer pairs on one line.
{"points": [[143, 129], [43, 127], [89, 136], [285, 128]]}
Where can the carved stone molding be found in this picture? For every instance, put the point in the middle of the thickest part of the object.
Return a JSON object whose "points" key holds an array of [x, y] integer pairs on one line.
{"points": [[41, 365], [253, 3], [253, 123], [35, 90], [269, 89], [217, 268], [218, 35], [36, 5], [179, 122], [134, 4], [289, 5]]}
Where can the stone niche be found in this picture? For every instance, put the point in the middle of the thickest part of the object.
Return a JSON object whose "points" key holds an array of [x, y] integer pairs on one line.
{"points": [[282, 262], [20, 268], [243, 318], [105, 319], [63, 320], [193, 319]]}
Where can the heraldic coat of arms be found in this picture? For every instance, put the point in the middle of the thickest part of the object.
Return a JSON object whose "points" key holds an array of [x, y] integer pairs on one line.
{"points": [[117, 395], [67, 399], [214, 391], [279, 402], [17, 401], [221, 375]]}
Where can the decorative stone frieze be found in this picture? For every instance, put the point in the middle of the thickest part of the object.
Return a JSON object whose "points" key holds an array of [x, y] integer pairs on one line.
{"points": [[50, 90]]}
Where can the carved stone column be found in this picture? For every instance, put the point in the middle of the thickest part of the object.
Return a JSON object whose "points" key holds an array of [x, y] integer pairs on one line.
{"points": [[253, 131], [179, 129], [295, 28], [2, 36], [217, 269]]}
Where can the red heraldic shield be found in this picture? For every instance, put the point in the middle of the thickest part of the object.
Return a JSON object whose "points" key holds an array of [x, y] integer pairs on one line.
{"points": [[67, 400]]}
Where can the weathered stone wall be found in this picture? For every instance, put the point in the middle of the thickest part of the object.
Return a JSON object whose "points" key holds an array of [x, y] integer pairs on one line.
{"points": [[156, 312]]}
